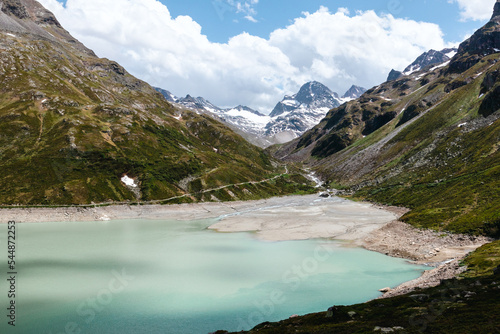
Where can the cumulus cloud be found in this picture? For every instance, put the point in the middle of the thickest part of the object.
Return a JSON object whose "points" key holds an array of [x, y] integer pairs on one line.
{"points": [[475, 10], [336, 48]]}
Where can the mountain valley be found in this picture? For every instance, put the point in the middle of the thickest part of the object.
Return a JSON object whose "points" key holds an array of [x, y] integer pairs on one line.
{"points": [[84, 141]]}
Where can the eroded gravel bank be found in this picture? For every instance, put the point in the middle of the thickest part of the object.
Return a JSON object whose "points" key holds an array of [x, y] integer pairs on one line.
{"points": [[442, 250]]}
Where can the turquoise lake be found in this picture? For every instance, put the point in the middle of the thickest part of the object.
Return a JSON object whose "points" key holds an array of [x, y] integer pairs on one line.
{"points": [[154, 276]]}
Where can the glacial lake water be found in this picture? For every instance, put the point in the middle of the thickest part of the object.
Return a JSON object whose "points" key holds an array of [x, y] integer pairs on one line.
{"points": [[154, 276]]}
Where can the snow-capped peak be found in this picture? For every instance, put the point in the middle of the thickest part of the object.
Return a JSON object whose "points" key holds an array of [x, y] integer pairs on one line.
{"points": [[290, 118], [432, 57]]}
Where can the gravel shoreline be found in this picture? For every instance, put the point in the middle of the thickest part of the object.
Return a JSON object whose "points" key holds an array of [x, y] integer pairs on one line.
{"points": [[444, 251], [366, 225]]}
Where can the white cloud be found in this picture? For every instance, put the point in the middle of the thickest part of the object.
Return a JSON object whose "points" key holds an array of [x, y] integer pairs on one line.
{"points": [[245, 7], [475, 10], [334, 48], [251, 18]]}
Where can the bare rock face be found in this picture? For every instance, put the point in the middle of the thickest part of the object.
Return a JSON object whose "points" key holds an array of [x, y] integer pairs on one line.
{"points": [[496, 271], [14, 8], [484, 42], [394, 75], [496, 11], [28, 10], [30, 18]]}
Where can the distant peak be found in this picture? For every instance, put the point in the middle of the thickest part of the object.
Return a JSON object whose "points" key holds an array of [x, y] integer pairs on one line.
{"points": [[309, 90], [312, 95], [312, 84], [354, 92]]}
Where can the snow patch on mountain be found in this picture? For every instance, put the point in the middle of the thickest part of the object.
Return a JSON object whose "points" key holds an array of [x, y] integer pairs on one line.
{"points": [[452, 53], [439, 66], [129, 181], [247, 114]]}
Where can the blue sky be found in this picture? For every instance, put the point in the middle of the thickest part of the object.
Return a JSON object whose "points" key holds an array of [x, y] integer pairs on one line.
{"points": [[253, 52], [220, 19]]}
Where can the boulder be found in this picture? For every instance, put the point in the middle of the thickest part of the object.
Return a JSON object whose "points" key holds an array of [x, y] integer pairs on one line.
{"points": [[331, 311], [496, 271], [420, 297]]}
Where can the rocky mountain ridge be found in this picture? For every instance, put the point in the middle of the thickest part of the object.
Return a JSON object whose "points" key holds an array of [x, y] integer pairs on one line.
{"points": [[296, 114], [429, 58], [289, 119]]}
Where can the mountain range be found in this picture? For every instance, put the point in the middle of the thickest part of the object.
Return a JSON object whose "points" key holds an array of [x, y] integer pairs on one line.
{"points": [[289, 119], [76, 129], [73, 126]]}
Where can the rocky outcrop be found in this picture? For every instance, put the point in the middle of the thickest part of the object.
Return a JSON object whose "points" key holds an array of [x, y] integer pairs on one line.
{"points": [[354, 92], [30, 18], [14, 8], [496, 271], [424, 61], [394, 75], [484, 42], [496, 11]]}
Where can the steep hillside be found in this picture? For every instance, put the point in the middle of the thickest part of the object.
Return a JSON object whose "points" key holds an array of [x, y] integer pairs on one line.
{"points": [[428, 141], [72, 126]]}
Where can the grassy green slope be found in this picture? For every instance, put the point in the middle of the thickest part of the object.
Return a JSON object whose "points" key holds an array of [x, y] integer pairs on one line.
{"points": [[71, 125], [449, 164], [436, 154]]}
